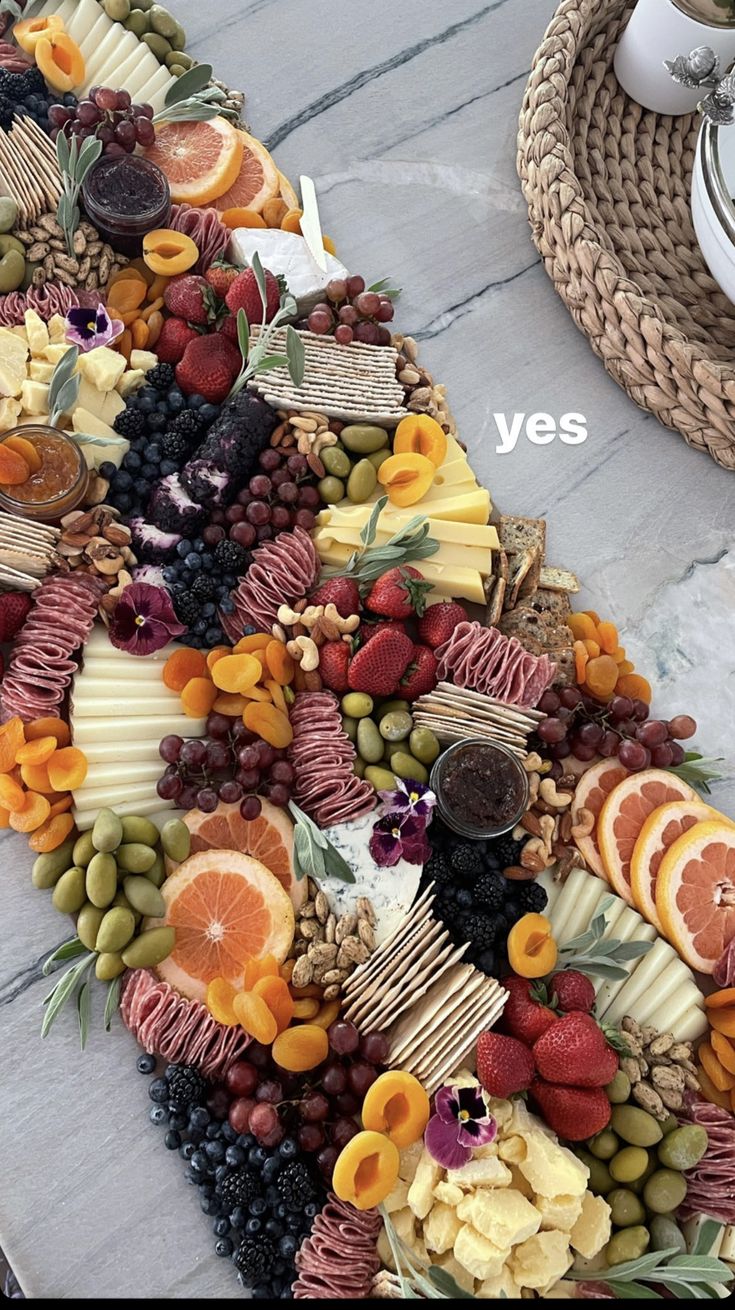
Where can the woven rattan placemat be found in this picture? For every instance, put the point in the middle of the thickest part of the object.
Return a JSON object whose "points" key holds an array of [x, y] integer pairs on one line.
{"points": [[607, 185]]}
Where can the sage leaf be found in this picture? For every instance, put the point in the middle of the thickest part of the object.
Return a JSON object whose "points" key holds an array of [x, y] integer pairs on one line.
{"points": [[62, 152], [84, 1011], [309, 824], [243, 334], [706, 1237], [369, 532], [296, 356], [267, 362], [448, 1286], [189, 84], [337, 865], [66, 399], [112, 1002], [68, 951]]}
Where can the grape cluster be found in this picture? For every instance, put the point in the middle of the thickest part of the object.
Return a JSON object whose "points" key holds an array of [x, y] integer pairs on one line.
{"points": [[317, 1109], [231, 764], [261, 1201], [27, 94], [282, 496], [350, 313], [110, 116], [581, 727]]}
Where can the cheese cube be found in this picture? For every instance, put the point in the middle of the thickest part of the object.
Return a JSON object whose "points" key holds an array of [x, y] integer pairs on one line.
{"points": [[512, 1149], [552, 1169], [143, 359], [9, 413], [112, 405], [479, 1256], [36, 332], [564, 1290], [84, 421], [102, 367], [503, 1285], [594, 1265], [502, 1112], [90, 397], [13, 356], [409, 1159], [421, 1191], [404, 1223], [560, 1212], [449, 1194], [486, 1172], [541, 1259], [398, 1198], [56, 329], [55, 353], [504, 1217], [458, 1272], [440, 1228], [591, 1229], [39, 371], [130, 381], [34, 397], [521, 1184]]}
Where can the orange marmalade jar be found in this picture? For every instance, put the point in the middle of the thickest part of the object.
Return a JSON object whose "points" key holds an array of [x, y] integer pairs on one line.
{"points": [[58, 486]]}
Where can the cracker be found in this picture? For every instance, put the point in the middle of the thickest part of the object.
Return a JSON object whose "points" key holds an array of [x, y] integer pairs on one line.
{"points": [[519, 534], [551, 602], [495, 594], [554, 579]]}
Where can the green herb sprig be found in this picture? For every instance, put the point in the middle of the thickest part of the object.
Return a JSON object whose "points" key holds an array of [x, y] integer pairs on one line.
{"points": [[384, 288], [257, 357], [409, 544], [314, 854], [687, 1277], [74, 165], [64, 386], [418, 1280], [192, 100], [605, 959], [75, 984], [698, 771]]}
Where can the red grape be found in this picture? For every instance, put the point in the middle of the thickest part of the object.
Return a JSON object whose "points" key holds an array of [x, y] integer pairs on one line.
{"points": [[311, 1137], [248, 758], [343, 335], [640, 711], [170, 787], [367, 303], [361, 1076], [250, 808], [105, 97], [218, 726], [337, 289], [343, 1037], [193, 753], [207, 800], [342, 1132], [620, 707], [282, 771], [633, 755], [583, 752], [678, 753], [682, 726], [355, 285], [259, 1055], [305, 518], [266, 754], [609, 744], [348, 316], [662, 756], [279, 795], [326, 1160], [551, 730], [561, 750], [145, 132], [263, 1119], [297, 466], [239, 1115], [334, 1080], [244, 534], [314, 1108], [230, 792], [270, 1090], [549, 702], [169, 748], [242, 1078], [347, 1103], [590, 733], [366, 332], [653, 732], [319, 322], [385, 311]]}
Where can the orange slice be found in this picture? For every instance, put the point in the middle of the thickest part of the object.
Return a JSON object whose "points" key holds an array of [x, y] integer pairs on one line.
{"points": [[592, 791], [695, 893], [661, 830], [200, 160], [257, 179], [269, 838], [224, 906], [624, 814]]}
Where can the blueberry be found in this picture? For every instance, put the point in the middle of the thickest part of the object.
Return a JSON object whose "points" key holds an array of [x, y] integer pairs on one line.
{"points": [[238, 1218], [228, 1132], [253, 1227], [246, 1141], [177, 1121], [274, 1229], [142, 488], [147, 404], [193, 561], [288, 1149], [262, 1292], [235, 1155], [196, 401], [172, 1140], [271, 1169], [199, 1117], [156, 422], [294, 1223], [150, 471], [199, 1162], [209, 609], [187, 1150], [210, 1205], [213, 1131], [223, 1247], [229, 580], [464, 898], [186, 577], [167, 467], [272, 1196], [158, 1115], [215, 1151], [221, 1173], [281, 1210], [213, 637], [258, 1206], [311, 1209], [199, 628], [221, 1226], [107, 469], [170, 574], [158, 1091], [227, 606], [133, 461], [146, 1063], [287, 1247], [152, 452], [209, 412]]}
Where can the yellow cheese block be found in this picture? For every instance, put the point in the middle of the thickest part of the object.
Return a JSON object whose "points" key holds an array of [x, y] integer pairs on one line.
{"points": [[448, 581], [460, 553], [354, 518]]}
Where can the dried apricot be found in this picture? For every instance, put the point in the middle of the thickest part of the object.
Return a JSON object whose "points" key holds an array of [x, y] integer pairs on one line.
{"points": [[723, 1021], [52, 833], [60, 806], [311, 989], [724, 1050], [198, 697], [580, 661], [231, 706], [34, 812], [280, 664], [582, 627], [36, 776], [217, 653], [157, 288], [219, 999], [254, 969], [236, 673], [155, 328], [26, 450], [67, 769], [255, 641], [270, 724], [306, 1009], [37, 751], [592, 647], [286, 969], [619, 654], [276, 694], [12, 795], [300, 1049], [291, 221], [255, 1018], [139, 332], [625, 666], [328, 1012], [718, 1000], [185, 664], [607, 635], [635, 686], [48, 728], [238, 217], [716, 1072], [155, 305], [125, 344], [274, 210], [12, 738], [257, 693], [13, 467], [601, 675], [275, 993], [4, 818], [127, 294]]}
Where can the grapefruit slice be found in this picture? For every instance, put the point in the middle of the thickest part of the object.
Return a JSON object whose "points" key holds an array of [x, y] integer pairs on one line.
{"points": [[201, 160], [695, 893], [269, 838], [660, 830], [256, 179], [623, 815], [591, 793], [224, 906]]}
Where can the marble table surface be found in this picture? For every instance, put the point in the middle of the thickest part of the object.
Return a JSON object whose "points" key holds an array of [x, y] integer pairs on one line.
{"points": [[405, 116]]}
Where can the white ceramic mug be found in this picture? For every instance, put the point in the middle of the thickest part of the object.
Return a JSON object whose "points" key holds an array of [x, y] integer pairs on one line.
{"points": [[659, 30]]}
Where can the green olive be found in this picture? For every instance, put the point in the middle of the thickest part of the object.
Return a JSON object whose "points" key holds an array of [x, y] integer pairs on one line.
{"points": [[137, 829], [349, 725], [665, 1191], [150, 948], [391, 706], [84, 849], [396, 726], [618, 1091], [27, 282], [138, 23], [362, 482], [407, 767], [392, 748], [158, 44], [176, 840], [145, 5], [369, 741], [600, 1181], [107, 832], [177, 70], [11, 243], [69, 894], [336, 462], [101, 880], [635, 1126], [363, 438], [48, 868], [684, 1147], [381, 779], [109, 965], [378, 457], [157, 872], [604, 1144], [12, 271], [625, 1207], [135, 857], [8, 213], [357, 704], [628, 1244], [666, 1234], [331, 490], [669, 1124], [88, 924], [117, 10], [424, 745], [628, 1164], [359, 767], [115, 930], [162, 21], [144, 897], [178, 41]]}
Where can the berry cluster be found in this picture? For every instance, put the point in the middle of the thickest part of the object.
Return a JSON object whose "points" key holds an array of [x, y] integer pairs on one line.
{"points": [[262, 1202], [200, 580], [230, 764], [280, 497], [110, 116], [27, 94], [473, 899], [350, 313], [579, 725]]}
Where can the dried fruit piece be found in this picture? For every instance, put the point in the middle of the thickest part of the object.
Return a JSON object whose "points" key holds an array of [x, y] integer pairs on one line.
{"points": [[127, 295], [255, 969], [37, 752], [280, 664], [306, 1008], [328, 1012], [168, 252], [716, 1072], [255, 641], [48, 728], [36, 776], [607, 635], [717, 1000], [35, 811], [270, 724], [217, 653], [12, 738], [237, 217], [299, 1049], [220, 997], [406, 478], [13, 468], [635, 686], [67, 769], [231, 706], [26, 450], [185, 664], [583, 627], [601, 676], [52, 833], [60, 60], [275, 993], [236, 673], [255, 1018], [198, 697], [12, 795]]}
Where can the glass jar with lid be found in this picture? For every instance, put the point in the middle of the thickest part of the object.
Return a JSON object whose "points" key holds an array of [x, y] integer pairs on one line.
{"points": [[58, 482]]}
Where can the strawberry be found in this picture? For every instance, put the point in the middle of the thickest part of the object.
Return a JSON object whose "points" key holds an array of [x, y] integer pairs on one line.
{"points": [[369, 630], [192, 298], [504, 1065], [575, 1050], [229, 327], [420, 676], [220, 275], [244, 294], [524, 1017], [399, 593], [14, 607], [571, 990], [439, 621], [340, 592], [334, 659], [574, 1113], [209, 368], [175, 336], [378, 667]]}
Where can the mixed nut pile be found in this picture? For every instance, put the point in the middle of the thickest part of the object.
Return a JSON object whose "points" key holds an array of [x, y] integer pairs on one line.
{"points": [[328, 948]]}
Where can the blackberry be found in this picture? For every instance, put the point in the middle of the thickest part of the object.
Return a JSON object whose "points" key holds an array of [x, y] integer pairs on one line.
{"points": [[162, 377], [239, 1188], [295, 1187], [7, 109], [189, 423], [185, 1086], [489, 891], [186, 606], [130, 423], [175, 446], [467, 861], [506, 850], [254, 1258], [532, 897], [231, 557], [203, 587], [480, 929], [438, 869]]}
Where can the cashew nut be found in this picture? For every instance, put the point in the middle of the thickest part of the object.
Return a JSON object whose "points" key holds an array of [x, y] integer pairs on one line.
{"points": [[532, 763], [305, 652], [533, 785], [278, 632], [533, 855], [547, 824], [558, 799], [286, 616], [332, 614], [584, 825]]}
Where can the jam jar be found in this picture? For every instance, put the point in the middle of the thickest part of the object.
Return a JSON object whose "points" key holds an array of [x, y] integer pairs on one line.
{"points": [[126, 197], [57, 486], [481, 788]]}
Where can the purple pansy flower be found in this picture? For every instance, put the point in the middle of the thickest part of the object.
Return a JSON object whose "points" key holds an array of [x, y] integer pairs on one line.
{"points": [[144, 620], [90, 328], [399, 837], [459, 1125], [413, 797]]}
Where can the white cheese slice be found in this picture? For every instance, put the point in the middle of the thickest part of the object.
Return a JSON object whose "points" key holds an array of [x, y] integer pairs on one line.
{"points": [[113, 673], [111, 752], [643, 976], [83, 18], [686, 1004], [84, 819], [142, 73], [693, 1023], [134, 705], [122, 773], [131, 729], [113, 46], [87, 797], [154, 91], [286, 253]]}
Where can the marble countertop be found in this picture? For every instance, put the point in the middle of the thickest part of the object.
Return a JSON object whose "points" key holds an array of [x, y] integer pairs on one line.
{"points": [[405, 116]]}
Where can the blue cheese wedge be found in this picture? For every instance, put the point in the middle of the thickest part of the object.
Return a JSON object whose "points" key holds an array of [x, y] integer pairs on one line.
{"points": [[392, 891], [287, 254]]}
